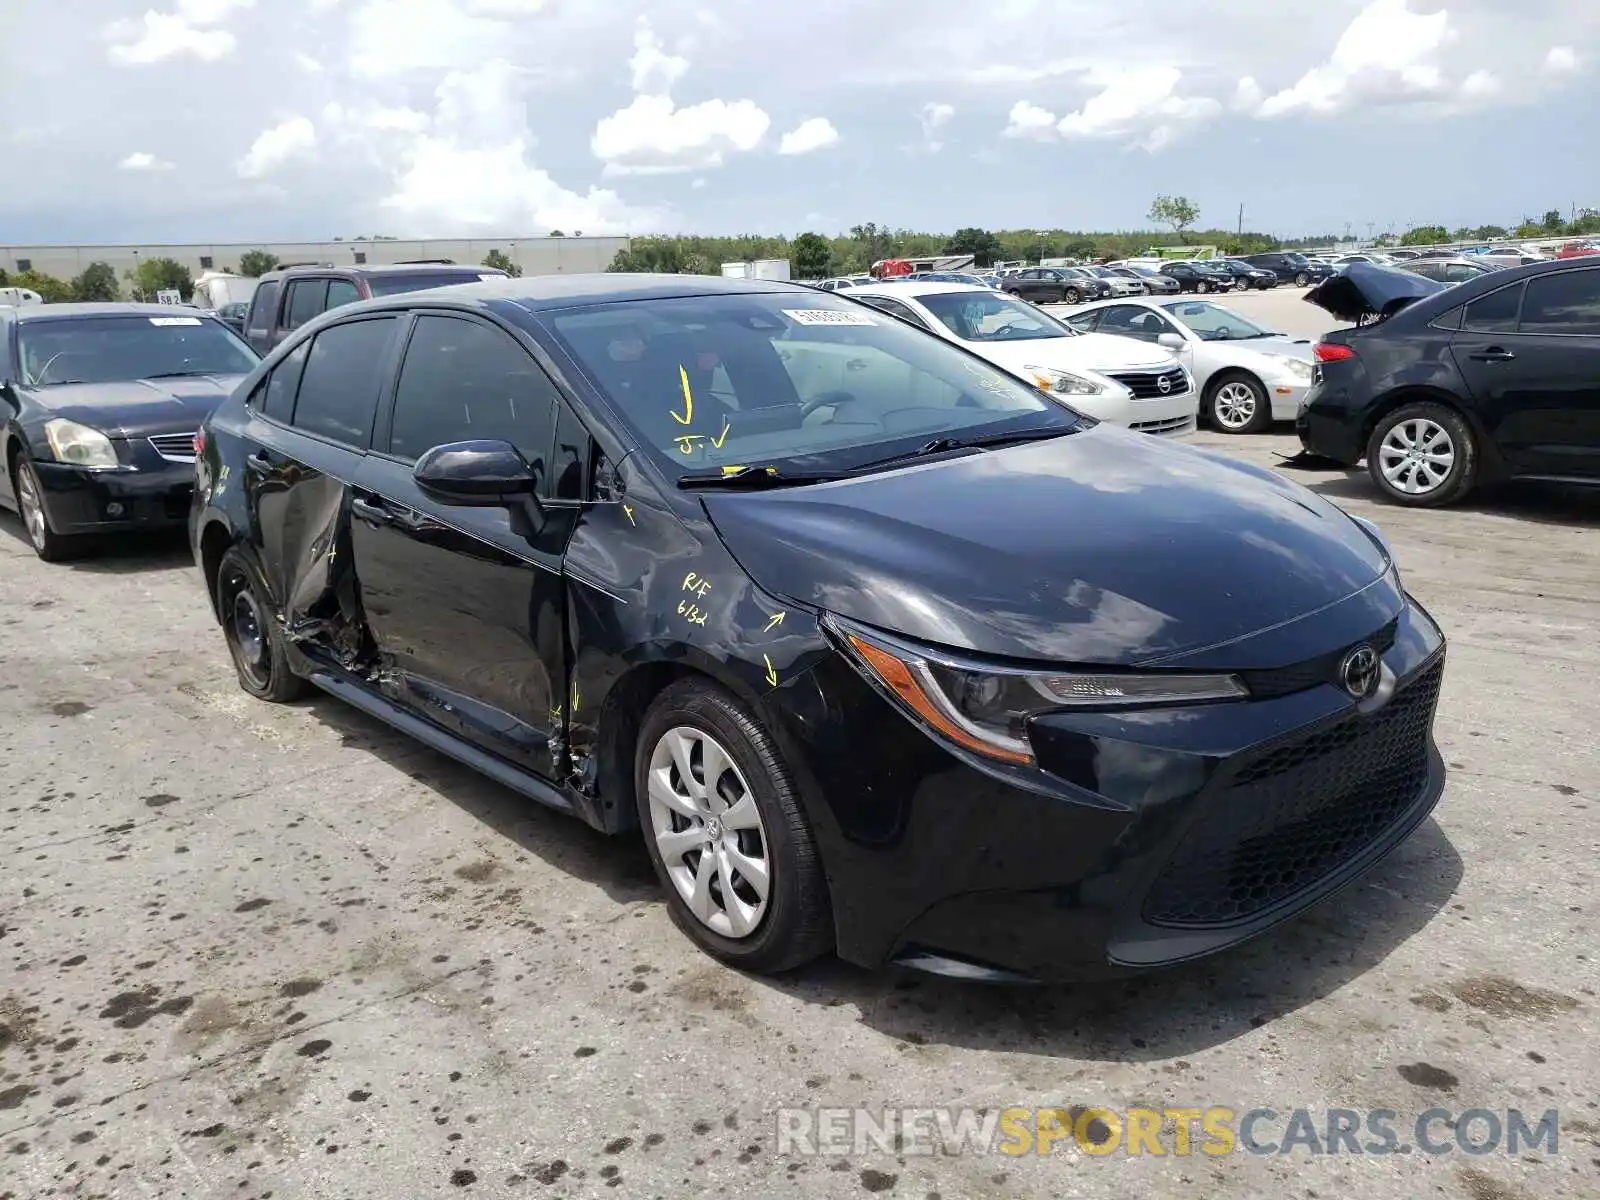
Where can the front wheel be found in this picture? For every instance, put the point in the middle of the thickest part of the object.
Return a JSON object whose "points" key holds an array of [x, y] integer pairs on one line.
{"points": [[1302, 279], [726, 832], [1423, 455], [1072, 296], [1238, 404], [260, 656], [1202, 287], [47, 544]]}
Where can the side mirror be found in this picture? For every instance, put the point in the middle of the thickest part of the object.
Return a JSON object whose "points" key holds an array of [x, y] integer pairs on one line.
{"points": [[474, 474], [1172, 341]]}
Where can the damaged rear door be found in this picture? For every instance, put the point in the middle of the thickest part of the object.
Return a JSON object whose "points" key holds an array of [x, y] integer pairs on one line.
{"points": [[307, 454]]}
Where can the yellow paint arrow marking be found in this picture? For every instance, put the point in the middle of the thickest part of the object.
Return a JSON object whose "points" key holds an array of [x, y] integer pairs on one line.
{"points": [[772, 674], [721, 437], [777, 619], [688, 399], [627, 510]]}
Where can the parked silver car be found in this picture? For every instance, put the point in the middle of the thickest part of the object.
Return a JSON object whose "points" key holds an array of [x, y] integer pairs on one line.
{"points": [[1248, 376]]}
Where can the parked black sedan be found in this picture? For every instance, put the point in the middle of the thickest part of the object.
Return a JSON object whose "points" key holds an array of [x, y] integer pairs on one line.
{"points": [[758, 572], [99, 404], [1246, 277], [1055, 285], [1441, 388], [1198, 277]]}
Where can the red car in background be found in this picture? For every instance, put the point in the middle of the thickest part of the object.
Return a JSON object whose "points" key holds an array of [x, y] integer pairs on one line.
{"points": [[1577, 249]]}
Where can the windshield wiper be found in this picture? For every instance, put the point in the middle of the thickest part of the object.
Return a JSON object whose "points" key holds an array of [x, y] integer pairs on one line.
{"points": [[750, 478], [983, 441], [176, 374]]}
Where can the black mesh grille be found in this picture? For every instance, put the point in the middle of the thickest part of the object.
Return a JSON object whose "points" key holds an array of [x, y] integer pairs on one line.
{"points": [[1146, 385], [1280, 681], [1298, 813]]}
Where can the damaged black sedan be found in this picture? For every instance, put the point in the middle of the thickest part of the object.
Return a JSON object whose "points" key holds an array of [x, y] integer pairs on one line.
{"points": [[764, 576]]}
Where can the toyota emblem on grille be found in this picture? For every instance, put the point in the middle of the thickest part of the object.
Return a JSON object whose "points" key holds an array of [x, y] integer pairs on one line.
{"points": [[1164, 384], [1359, 672]]}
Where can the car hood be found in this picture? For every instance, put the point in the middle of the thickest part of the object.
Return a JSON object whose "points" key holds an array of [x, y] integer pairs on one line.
{"points": [[1363, 290], [139, 407], [1099, 547], [1087, 352], [1288, 347]]}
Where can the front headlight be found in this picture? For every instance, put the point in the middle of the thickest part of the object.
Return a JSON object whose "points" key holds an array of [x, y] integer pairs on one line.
{"points": [[986, 709], [1299, 368], [1064, 383], [79, 445]]}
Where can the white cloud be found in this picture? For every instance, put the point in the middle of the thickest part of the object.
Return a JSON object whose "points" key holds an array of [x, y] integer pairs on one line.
{"points": [[1030, 121], [471, 170], [391, 38], [186, 30], [285, 141], [1562, 60], [1247, 96], [814, 133], [653, 136], [699, 182], [1140, 107], [1387, 55], [306, 63], [935, 116], [141, 161]]}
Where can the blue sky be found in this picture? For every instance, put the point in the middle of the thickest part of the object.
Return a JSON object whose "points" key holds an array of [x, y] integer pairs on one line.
{"points": [[220, 120]]}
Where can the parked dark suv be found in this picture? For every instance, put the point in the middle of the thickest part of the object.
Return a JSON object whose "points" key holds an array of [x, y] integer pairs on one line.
{"points": [[287, 298], [1290, 267], [1443, 388], [756, 573]]}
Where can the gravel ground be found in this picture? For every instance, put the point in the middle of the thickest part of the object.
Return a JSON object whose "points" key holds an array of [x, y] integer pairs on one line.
{"points": [[251, 951]]}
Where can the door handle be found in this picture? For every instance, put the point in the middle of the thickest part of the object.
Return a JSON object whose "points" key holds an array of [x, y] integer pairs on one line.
{"points": [[374, 513], [856, 364], [1493, 354]]}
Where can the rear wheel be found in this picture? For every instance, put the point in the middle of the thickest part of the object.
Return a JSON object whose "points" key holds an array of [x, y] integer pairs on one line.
{"points": [[46, 543], [260, 656], [726, 831], [1424, 455], [1302, 279], [1238, 404]]}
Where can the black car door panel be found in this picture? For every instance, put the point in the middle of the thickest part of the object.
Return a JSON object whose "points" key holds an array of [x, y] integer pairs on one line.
{"points": [[465, 604]]}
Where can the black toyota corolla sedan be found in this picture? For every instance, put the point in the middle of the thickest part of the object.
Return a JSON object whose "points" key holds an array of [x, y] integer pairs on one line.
{"points": [[99, 404], [878, 648]]}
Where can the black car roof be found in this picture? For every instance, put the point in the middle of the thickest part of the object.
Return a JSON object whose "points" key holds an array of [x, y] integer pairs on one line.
{"points": [[540, 293], [54, 312], [418, 268]]}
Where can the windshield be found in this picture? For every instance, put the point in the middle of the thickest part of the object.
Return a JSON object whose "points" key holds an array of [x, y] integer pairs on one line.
{"points": [[815, 382], [1298, 260], [990, 316], [117, 349], [392, 285], [1213, 323]]}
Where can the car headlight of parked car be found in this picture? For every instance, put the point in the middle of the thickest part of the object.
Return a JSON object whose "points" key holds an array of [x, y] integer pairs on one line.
{"points": [[79, 445], [1064, 383], [1297, 367], [985, 708]]}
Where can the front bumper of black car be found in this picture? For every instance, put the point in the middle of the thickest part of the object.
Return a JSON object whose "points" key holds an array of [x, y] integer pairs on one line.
{"points": [[1141, 840], [148, 491]]}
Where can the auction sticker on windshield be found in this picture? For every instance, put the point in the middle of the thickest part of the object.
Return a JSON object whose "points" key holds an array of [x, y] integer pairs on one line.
{"points": [[174, 320], [827, 316]]}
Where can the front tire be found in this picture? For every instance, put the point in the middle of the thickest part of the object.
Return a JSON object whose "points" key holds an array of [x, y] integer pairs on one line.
{"points": [[50, 546], [1423, 455], [255, 643], [1202, 287], [1302, 279], [727, 834], [1238, 404], [1072, 296]]}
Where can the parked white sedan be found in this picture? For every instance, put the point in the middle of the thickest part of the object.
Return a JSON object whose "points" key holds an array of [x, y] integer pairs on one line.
{"points": [[1248, 376], [1143, 388]]}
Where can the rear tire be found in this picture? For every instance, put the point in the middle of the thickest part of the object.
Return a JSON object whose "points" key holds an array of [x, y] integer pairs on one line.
{"points": [[1423, 455], [255, 643], [705, 833], [1302, 279], [50, 546]]}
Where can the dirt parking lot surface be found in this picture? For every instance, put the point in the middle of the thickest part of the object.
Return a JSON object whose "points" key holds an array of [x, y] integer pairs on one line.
{"points": [[249, 951]]}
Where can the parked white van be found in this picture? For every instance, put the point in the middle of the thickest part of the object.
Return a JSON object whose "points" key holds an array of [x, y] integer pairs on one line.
{"points": [[13, 297]]}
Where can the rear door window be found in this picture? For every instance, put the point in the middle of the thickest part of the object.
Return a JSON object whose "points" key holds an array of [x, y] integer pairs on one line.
{"points": [[264, 308], [306, 300], [342, 292], [1563, 302], [278, 401], [1494, 313], [339, 386]]}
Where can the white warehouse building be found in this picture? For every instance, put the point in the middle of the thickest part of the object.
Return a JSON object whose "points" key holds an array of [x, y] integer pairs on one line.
{"points": [[535, 255]]}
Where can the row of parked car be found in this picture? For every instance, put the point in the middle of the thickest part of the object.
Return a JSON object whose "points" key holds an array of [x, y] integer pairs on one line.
{"points": [[811, 598]]}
